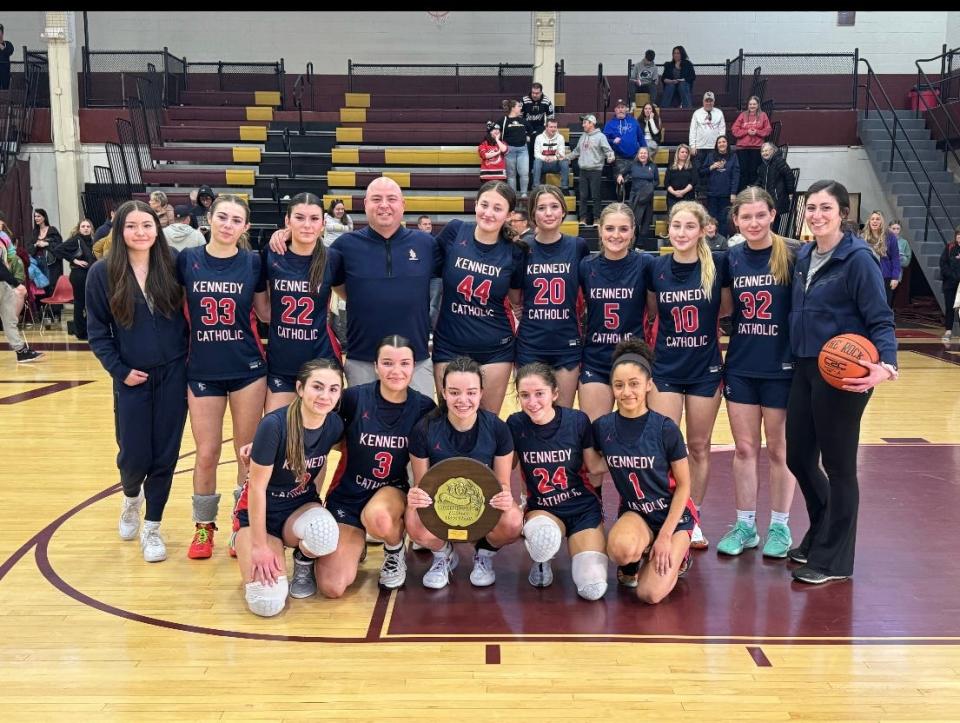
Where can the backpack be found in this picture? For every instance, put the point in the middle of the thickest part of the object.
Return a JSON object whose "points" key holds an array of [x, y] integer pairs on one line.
{"points": [[37, 276]]}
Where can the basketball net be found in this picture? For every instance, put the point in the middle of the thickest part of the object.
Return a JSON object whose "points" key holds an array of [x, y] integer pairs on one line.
{"points": [[439, 17]]}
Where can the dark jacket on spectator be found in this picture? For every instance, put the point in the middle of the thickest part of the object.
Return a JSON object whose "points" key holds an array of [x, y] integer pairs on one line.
{"points": [[950, 266], [679, 178], [78, 248], [687, 72], [776, 178], [721, 181]]}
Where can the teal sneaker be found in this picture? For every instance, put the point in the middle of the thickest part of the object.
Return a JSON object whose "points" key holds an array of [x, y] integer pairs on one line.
{"points": [[778, 541], [740, 537]]}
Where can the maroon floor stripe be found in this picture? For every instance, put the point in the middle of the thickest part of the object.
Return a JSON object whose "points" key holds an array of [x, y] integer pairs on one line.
{"points": [[493, 655], [51, 388], [905, 440], [758, 657], [379, 615]]}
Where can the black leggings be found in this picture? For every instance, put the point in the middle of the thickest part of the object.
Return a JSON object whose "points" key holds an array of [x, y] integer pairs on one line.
{"points": [[949, 313], [823, 422]]}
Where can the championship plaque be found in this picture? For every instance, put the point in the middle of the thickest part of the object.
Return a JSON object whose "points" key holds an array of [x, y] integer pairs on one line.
{"points": [[461, 489]]}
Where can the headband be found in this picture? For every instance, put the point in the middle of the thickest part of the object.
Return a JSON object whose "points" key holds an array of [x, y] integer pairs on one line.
{"points": [[640, 361]]}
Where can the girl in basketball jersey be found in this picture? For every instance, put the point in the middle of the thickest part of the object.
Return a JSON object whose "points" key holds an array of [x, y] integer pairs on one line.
{"points": [[613, 284], [647, 459], [139, 334], [482, 269], [299, 294], [460, 428], [279, 505], [369, 488], [550, 325], [685, 292], [226, 360], [757, 370], [554, 447], [837, 288]]}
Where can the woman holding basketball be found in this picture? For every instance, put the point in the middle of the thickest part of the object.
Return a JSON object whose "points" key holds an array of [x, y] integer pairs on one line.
{"points": [[550, 324], [482, 268], [837, 288], [757, 371], [685, 293], [554, 448], [460, 428]]}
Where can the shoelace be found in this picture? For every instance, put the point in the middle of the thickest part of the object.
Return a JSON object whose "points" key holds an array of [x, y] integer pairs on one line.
{"points": [[391, 563], [202, 535], [151, 537]]}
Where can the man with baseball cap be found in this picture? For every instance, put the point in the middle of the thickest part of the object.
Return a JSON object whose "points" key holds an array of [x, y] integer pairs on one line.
{"points": [[180, 234], [706, 125], [592, 150], [625, 138]]}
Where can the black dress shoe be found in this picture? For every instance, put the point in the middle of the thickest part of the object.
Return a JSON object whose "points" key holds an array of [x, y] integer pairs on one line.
{"points": [[797, 555], [812, 577]]}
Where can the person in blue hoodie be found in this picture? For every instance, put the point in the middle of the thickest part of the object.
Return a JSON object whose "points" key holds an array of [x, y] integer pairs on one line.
{"points": [[721, 171], [138, 332], [837, 288], [625, 138]]}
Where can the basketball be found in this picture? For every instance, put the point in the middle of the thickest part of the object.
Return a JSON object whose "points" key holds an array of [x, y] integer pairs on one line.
{"points": [[841, 356]]}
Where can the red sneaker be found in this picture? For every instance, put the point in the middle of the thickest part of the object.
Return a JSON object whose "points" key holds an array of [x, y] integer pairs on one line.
{"points": [[233, 536], [202, 545]]}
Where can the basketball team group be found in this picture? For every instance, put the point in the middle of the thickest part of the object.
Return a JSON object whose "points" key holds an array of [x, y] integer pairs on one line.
{"points": [[634, 337]]}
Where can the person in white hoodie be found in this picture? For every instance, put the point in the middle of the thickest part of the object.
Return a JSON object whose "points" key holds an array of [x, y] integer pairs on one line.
{"points": [[706, 125], [550, 156], [180, 234]]}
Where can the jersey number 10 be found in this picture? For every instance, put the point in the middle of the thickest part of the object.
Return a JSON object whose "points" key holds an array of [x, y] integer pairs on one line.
{"points": [[685, 318]]}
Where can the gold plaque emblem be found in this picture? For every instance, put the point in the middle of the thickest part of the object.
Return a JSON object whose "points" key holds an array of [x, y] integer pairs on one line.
{"points": [[459, 502]]}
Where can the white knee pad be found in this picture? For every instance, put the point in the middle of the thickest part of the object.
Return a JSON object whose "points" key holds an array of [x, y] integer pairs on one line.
{"points": [[590, 574], [542, 537], [318, 532], [267, 600]]}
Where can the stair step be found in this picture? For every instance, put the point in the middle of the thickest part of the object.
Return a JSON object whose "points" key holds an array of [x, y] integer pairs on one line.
{"points": [[931, 157]]}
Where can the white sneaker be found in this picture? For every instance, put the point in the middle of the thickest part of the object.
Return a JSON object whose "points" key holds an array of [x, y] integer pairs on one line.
{"points": [[697, 540], [482, 574], [416, 546], [541, 575], [438, 576], [947, 337], [393, 571], [130, 516], [151, 543]]}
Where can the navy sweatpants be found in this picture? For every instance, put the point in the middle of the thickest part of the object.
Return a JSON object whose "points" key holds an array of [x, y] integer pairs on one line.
{"points": [[149, 421]]}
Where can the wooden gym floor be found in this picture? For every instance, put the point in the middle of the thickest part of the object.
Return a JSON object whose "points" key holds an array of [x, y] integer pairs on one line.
{"points": [[88, 628]]}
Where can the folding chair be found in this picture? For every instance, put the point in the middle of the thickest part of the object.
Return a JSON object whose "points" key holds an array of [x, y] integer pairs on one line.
{"points": [[62, 294]]}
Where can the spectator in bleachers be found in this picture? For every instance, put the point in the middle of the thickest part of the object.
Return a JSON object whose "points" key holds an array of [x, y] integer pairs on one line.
{"points": [[682, 178], [336, 222], [537, 110], [625, 138], [425, 224], [950, 278], [716, 241], [775, 177], [678, 76], [180, 234], [550, 156], [6, 52], [644, 77], [593, 150], [492, 151], [519, 221], [161, 205], [721, 171], [77, 251], [205, 197], [706, 126], [516, 134], [644, 176], [436, 284], [884, 245], [43, 244], [906, 255], [750, 129], [104, 229], [652, 127]]}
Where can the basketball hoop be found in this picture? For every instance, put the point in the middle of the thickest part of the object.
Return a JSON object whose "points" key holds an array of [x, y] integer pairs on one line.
{"points": [[439, 17]]}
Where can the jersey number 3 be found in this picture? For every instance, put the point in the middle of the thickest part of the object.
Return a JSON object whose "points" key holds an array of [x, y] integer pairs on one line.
{"points": [[384, 461]]}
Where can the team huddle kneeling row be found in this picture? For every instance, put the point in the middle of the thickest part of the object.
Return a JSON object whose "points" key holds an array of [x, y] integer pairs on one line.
{"points": [[507, 306]]}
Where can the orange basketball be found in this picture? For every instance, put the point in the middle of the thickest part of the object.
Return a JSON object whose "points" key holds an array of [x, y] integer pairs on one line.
{"points": [[841, 356]]}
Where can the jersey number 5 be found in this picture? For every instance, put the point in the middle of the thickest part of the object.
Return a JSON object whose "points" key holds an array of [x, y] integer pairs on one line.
{"points": [[545, 485], [611, 316], [218, 311]]}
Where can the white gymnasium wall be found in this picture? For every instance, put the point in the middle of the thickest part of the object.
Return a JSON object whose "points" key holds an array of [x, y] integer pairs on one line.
{"points": [[890, 40], [850, 166], [43, 171]]}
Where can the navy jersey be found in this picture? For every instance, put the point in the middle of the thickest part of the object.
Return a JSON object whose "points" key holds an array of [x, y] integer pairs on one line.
{"points": [[687, 338], [298, 314], [388, 287], [615, 293], [640, 468], [551, 286], [760, 332], [551, 460], [476, 280], [270, 448], [435, 439], [376, 439], [224, 343]]}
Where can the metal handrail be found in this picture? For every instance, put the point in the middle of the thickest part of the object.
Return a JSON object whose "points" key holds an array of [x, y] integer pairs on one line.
{"points": [[287, 146], [603, 92], [939, 105], [895, 147]]}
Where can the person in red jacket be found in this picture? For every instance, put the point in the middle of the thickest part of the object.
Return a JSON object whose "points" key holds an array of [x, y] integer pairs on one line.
{"points": [[493, 162], [750, 129]]}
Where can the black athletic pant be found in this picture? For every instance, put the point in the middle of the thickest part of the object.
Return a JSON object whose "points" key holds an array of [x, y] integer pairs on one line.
{"points": [[823, 422], [149, 422], [78, 280], [590, 190], [949, 313]]}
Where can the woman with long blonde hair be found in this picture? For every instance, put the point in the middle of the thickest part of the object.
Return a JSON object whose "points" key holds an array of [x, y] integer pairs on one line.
{"points": [[885, 246]]}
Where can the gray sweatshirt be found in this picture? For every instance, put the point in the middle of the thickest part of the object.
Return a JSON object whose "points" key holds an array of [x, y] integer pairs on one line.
{"points": [[182, 236], [592, 150]]}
